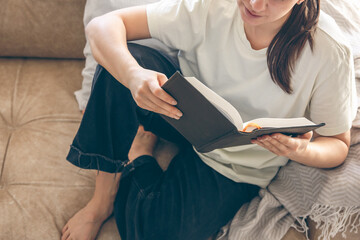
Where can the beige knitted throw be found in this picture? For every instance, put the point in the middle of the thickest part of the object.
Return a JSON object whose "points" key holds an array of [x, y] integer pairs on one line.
{"points": [[330, 197]]}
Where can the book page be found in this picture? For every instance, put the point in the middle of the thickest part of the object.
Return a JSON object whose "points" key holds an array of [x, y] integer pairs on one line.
{"points": [[228, 110], [280, 122]]}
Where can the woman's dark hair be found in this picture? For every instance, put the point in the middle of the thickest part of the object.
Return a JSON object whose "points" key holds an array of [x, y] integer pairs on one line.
{"points": [[288, 43]]}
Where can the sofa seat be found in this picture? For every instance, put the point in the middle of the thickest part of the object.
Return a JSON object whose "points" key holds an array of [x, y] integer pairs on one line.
{"points": [[39, 116]]}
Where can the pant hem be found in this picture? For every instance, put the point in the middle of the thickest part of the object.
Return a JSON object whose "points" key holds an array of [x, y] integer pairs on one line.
{"points": [[144, 172], [94, 161]]}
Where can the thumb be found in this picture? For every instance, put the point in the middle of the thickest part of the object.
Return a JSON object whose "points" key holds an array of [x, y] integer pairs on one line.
{"points": [[162, 79], [307, 135]]}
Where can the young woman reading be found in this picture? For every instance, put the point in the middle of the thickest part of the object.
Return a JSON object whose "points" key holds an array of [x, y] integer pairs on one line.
{"points": [[268, 58]]}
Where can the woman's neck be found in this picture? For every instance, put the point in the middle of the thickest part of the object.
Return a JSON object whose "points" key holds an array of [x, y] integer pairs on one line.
{"points": [[261, 36], [258, 39]]}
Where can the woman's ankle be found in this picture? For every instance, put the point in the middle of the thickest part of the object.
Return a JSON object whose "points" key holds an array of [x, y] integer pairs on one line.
{"points": [[100, 210], [101, 204]]}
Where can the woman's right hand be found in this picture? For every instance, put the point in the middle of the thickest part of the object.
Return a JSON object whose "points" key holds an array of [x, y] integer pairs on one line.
{"points": [[145, 86]]}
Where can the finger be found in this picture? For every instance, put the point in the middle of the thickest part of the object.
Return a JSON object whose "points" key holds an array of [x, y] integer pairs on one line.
{"points": [[146, 99], [284, 150], [306, 136], [285, 140], [261, 144], [271, 147], [268, 143], [162, 78], [160, 93], [66, 235], [155, 104], [150, 105], [165, 106], [145, 103], [64, 228]]}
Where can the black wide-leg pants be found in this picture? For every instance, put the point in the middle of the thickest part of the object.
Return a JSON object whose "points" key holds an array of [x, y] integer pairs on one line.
{"points": [[190, 200]]}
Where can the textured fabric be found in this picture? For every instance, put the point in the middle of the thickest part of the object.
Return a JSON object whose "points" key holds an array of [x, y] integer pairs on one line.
{"points": [[36, 126], [39, 190], [188, 193], [38, 28], [355, 135], [323, 82], [346, 15], [330, 198], [356, 122]]}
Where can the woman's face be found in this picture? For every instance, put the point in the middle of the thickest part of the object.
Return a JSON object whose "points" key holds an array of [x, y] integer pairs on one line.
{"points": [[258, 12]]}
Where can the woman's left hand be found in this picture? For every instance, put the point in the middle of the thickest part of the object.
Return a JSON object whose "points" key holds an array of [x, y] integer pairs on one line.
{"points": [[282, 145]]}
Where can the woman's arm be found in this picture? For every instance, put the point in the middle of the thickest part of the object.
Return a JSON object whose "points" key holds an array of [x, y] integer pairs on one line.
{"points": [[108, 36], [322, 152]]}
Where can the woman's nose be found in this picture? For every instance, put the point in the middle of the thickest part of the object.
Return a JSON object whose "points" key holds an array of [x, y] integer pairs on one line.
{"points": [[258, 5]]}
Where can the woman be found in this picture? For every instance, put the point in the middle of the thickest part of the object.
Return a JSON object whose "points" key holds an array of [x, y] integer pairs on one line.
{"points": [[269, 58]]}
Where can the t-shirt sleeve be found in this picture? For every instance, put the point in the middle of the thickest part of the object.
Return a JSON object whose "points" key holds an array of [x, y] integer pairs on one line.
{"points": [[179, 24], [334, 97]]}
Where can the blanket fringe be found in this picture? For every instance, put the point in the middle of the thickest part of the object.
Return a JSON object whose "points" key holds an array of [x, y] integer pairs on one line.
{"points": [[330, 220], [300, 225]]}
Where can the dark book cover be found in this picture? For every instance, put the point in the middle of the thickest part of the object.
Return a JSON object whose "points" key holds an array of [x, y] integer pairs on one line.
{"points": [[205, 127]]}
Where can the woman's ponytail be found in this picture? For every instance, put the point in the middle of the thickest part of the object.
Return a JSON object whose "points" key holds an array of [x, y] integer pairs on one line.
{"points": [[288, 43]]}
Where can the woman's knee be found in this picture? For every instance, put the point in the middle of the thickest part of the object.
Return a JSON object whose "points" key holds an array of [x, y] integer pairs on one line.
{"points": [[101, 75]]}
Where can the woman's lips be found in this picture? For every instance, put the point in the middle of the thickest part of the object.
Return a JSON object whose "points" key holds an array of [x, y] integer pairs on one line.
{"points": [[249, 13]]}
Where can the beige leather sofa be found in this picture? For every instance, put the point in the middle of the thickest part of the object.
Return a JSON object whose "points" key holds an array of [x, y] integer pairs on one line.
{"points": [[41, 45]]}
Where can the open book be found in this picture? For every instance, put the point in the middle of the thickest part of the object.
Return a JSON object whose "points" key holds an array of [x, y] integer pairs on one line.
{"points": [[210, 122]]}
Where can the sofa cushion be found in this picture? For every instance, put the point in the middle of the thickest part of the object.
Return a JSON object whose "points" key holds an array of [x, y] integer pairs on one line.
{"points": [[39, 190], [38, 28]]}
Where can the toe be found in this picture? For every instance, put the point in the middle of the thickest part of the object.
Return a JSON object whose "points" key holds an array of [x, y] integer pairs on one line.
{"points": [[141, 129], [64, 229], [65, 235]]}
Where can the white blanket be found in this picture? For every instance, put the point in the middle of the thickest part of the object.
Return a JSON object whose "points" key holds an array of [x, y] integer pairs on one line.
{"points": [[347, 15]]}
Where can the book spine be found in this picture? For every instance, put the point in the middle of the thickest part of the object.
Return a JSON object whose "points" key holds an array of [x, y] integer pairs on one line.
{"points": [[216, 142]]}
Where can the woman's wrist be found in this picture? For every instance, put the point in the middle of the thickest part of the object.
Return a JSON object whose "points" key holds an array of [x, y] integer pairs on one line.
{"points": [[323, 152], [306, 156], [130, 74]]}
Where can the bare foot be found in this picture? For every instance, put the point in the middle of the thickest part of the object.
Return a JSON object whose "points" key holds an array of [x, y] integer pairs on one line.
{"points": [[143, 144], [85, 224]]}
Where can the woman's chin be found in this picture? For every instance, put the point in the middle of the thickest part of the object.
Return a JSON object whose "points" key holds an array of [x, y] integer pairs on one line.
{"points": [[251, 19]]}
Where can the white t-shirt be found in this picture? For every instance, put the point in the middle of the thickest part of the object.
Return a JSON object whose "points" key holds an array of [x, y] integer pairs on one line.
{"points": [[214, 48]]}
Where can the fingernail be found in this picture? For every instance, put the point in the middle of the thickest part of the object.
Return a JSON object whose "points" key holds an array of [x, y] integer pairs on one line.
{"points": [[173, 102], [179, 114]]}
